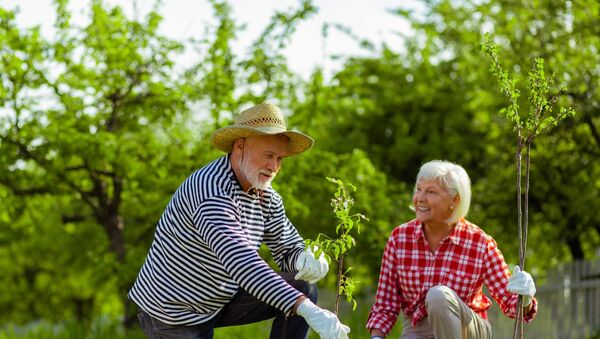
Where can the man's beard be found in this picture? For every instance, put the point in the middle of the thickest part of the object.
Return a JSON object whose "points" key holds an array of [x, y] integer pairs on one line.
{"points": [[253, 175]]}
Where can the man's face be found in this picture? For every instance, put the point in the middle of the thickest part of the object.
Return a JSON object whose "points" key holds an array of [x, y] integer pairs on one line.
{"points": [[261, 160]]}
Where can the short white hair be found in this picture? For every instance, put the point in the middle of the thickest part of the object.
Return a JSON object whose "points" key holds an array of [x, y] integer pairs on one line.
{"points": [[454, 179]]}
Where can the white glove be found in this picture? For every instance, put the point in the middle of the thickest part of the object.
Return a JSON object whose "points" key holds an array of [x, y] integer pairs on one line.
{"points": [[310, 268], [322, 321], [521, 283]]}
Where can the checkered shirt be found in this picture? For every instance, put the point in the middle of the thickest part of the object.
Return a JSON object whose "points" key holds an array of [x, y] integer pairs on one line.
{"points": [[466, 259]]}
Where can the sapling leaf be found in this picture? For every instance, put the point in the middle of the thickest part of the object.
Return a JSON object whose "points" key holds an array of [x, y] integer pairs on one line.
{"points": [[342, 203]]}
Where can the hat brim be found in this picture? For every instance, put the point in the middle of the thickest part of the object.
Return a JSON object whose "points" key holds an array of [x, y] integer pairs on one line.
{"points": [[223, 138]]}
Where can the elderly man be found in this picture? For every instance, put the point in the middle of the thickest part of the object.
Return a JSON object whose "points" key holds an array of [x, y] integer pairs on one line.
{"points": [[203, 269]]}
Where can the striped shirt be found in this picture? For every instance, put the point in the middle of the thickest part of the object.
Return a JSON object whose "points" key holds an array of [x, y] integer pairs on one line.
{"points": [[206, 247], [466, 259]]}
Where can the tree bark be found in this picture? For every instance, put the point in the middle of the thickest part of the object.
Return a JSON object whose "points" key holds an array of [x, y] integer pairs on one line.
{"points": [[575, 246]]}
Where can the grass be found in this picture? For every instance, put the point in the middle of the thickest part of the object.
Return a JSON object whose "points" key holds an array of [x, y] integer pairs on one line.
{"points": [[102, 328], [111, 328]]}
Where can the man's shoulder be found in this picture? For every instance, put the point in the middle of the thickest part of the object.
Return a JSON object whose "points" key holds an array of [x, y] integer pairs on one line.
{"points": [[213, 179], [216, 167], [271, 194]]}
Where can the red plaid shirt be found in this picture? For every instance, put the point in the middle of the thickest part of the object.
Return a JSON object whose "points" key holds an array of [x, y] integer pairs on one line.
{"points": [[465, 260]]}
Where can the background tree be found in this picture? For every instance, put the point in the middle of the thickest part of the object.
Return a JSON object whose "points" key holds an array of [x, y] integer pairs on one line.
{"points": [[439, 103], [562, 34], [92, 164], [98, 128], [88, 157]]}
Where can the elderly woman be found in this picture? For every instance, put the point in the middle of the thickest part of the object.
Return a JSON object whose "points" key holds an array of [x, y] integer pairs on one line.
{"points": [[434, 266]]}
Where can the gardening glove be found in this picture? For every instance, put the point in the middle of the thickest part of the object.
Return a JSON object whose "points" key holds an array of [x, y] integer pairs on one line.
{"points": [[310, 268], [521, 283], [322, 321]]}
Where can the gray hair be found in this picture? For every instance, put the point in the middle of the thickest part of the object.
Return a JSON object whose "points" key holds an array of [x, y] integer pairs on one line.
{"points": [[454, 179]]}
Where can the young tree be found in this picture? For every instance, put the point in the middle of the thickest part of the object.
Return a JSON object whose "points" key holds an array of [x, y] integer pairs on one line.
{"points": [[539, 119], [339, 247]]}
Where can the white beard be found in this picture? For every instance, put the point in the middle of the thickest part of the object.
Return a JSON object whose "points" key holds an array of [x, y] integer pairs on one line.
{"points": [[253, 175]]}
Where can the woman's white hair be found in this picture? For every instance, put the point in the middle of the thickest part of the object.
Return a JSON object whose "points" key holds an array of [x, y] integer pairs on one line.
{"points": [[454, 179]]}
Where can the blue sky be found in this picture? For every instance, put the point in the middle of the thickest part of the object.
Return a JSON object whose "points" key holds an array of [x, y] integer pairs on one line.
{"points": [[187, 18]]}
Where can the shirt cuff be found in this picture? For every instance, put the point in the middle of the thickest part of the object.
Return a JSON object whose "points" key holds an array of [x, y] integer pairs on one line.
{"points": [[532, 312]]}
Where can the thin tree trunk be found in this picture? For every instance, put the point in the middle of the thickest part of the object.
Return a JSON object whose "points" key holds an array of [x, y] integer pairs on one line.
{"points": [[114, 230], [574, 245], [518, 328], [523, 255], [107, 214], [339, 283]]}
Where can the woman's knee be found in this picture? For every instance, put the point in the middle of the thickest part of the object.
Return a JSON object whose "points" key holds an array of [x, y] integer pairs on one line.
{"points": [[438, 298]]}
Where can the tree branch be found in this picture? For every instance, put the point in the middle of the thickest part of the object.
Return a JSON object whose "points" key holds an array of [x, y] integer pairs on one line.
{"points": [[72, 218], [25, 191], [587, 118], [48, 167]]}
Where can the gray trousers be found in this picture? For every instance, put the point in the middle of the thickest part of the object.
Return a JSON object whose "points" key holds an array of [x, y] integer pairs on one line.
{"points": [[448, 317]]}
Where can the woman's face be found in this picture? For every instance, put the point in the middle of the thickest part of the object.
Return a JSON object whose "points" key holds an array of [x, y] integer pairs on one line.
{"points": [[432, 202]]}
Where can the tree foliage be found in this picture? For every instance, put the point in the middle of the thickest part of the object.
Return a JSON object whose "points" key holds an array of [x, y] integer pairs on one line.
{"points": [[98, 127], [89, 114]]}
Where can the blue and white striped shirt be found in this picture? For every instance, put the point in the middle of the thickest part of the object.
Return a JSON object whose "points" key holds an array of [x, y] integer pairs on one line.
{"points": [[206, 247]]}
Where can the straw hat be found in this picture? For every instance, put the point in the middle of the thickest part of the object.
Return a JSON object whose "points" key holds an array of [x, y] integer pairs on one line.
{"points": [[262, 119]]}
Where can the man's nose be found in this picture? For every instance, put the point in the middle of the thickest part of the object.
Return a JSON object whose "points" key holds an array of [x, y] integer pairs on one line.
{"points": [[273, 165]]}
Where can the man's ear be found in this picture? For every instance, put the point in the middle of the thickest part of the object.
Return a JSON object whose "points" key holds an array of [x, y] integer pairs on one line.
{"points": [[238, 145]]}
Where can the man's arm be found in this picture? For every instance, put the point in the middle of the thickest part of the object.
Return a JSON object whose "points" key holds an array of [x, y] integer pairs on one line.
{"points": [[281, 236], [322, 321], [218, 224], [298, 302]]}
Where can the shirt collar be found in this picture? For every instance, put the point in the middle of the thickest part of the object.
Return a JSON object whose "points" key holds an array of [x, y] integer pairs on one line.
{"points": [[252, 191], [454, 236], [419, 233]]}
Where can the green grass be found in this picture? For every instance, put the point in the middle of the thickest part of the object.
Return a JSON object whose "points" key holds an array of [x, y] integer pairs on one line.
{"points": [[356, 320], [111, 328], [103, 328]]}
